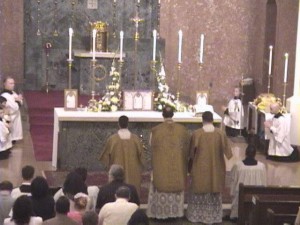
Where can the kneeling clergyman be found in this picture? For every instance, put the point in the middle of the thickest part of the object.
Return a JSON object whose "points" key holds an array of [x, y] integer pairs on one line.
{"points": [[125, 149], [170, 145]]}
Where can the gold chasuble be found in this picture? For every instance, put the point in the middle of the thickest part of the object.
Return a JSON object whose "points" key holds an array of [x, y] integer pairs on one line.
{"points": [[208, 170], [170, 145], [125, 152]]}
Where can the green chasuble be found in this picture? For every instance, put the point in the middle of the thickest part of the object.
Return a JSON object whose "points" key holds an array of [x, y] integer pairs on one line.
{"points": [[125, 152]]}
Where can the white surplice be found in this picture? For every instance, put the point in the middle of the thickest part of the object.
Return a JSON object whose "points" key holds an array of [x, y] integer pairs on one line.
{"points": [[5, 138], [235, 119]]}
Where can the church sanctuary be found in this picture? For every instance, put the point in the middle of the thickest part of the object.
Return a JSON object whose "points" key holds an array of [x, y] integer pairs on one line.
{"points": [[149, 112]]}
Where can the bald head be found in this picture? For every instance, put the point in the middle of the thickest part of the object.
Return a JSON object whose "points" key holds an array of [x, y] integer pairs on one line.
{"points": [[275, 108]]}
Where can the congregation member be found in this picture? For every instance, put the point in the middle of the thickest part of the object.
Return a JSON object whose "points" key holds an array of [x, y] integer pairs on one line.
{"points": [[116, 179], [80, 206], [92, 191], [234, 115], [13, 104], [42, 202], [139, 217], [6, 201], [25, 188], [90, 218], [125, 148], [170, 149], [62, 207], [22, 213], [248, 172], [5, 136], [120, 211], [278, 129], [208, 147]]}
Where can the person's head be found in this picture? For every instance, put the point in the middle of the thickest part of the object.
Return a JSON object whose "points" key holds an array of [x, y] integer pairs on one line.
{"points": [[207, 117], [74, 184], [27, 173], [3, 101], [139, 217], [123, 192], [9, 83], [6, 186], [168, 112], [82, 172], [90, 218], [62, 205], [116, 173], [123, 122], [22, 210], [80, 201], [250, 151], [39, 188], [1, 111], [237, 92], [275, 108]]}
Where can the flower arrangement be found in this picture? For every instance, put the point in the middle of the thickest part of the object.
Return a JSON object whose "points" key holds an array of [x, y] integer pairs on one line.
{"points": [[163, 97], [111, 101]]}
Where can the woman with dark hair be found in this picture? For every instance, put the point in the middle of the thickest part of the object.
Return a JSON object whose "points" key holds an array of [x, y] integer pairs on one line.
{"points": [[23, 213], [139, 217], [74, 184], [42, 202]]}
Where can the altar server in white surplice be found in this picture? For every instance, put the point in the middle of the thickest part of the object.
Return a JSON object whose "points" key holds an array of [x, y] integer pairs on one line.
{"points": [[234, 115], [248, 172], [14, 102], [280, 148], [5, 139]]}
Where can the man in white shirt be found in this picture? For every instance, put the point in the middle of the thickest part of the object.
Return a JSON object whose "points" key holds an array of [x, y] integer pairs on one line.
{"points": [[14, 102], [280, 148], [25, 188], [118, 212]]}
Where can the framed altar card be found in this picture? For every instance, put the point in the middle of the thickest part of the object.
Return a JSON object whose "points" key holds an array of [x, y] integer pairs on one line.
{"points": [[138, 100], [70, 99], [202, 98]]}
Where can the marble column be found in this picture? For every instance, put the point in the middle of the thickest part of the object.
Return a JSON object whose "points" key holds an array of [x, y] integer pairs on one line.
{"points": [[293, 103]]}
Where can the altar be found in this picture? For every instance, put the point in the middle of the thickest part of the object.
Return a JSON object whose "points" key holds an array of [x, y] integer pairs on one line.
{"points": [[79, 136]]}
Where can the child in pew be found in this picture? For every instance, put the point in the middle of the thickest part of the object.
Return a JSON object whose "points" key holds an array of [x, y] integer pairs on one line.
{"points": [[249, 172], [5, 138]]}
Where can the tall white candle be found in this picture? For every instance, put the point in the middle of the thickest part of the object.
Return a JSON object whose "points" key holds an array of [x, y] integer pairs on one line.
{"points": [[154, 44], [201, 48], [179, 46], [286, 55], [121, 44], [70, 43], [94, 43], [270, 59]]}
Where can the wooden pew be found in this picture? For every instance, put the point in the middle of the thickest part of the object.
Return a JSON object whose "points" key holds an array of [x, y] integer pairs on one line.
{"points": [[279, 218], [247, 191], [260, 204]]}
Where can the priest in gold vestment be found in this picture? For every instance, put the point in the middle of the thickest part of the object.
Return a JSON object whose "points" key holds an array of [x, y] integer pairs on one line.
{"points": [[169, 146], [125, 148], [208, 147]]}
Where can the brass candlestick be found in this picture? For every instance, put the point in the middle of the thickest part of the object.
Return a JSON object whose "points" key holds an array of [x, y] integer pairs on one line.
{"points": [[158, 18], [121, 63], [93, 74], [178, 80], [269, 83], [154, 73], [38, 33], [114, 19], [70, 61], [284, 94], [198, 81], [55, 33]]}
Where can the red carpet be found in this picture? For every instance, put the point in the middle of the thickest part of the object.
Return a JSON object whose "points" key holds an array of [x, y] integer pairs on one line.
{"points": [[40, 112]]}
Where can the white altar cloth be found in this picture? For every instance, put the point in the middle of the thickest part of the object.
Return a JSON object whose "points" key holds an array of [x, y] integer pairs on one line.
{"points": [[134, 116]]}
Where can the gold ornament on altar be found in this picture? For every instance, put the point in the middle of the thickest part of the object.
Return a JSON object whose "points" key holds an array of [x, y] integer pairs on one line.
{"points": [[263, 102], [101, 36]]}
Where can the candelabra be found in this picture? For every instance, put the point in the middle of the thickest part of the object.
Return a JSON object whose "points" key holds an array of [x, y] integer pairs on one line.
{"points": [[284, 94], [269, 83], [70, 62], [38, 33], [154, 73], [178, 81], [198, 81]]}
